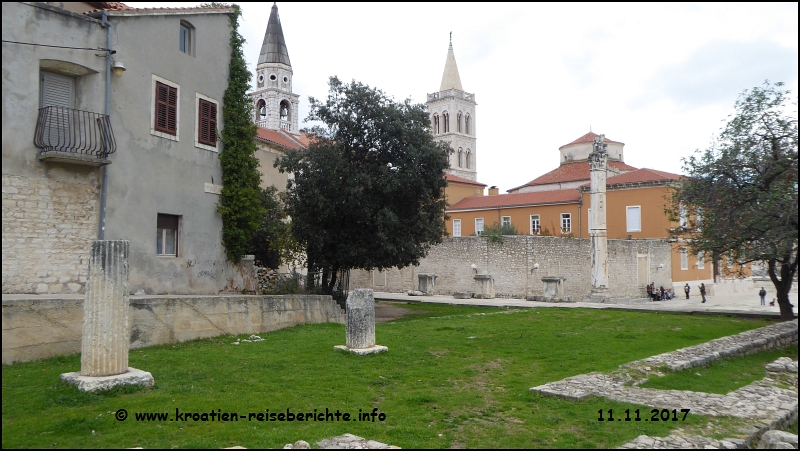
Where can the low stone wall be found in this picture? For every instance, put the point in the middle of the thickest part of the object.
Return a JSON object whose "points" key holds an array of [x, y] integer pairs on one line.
{"points": [[39, 328], [519, 263]]}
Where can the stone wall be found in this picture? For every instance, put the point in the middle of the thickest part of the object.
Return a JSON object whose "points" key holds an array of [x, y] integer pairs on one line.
{"points": [[36, 329], [48, 225], [512, 265]]}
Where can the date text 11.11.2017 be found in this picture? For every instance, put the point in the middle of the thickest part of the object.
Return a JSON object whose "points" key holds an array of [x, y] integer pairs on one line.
{"points": [[655, 415]]}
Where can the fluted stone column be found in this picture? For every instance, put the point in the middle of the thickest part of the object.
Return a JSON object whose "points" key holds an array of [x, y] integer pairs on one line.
{"points": [[360, 323], [598, 163], [106, 322], [106, 327]]}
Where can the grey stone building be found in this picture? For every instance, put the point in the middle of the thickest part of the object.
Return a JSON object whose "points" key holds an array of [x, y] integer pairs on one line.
{"points": [[130, 156]]}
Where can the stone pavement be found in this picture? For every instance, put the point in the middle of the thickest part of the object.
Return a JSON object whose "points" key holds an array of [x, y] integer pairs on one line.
{"points": [[743, 304]]}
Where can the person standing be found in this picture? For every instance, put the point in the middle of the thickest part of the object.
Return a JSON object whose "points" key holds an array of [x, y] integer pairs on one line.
{"points": [[763, 294], [686, 290], [703, 292]]}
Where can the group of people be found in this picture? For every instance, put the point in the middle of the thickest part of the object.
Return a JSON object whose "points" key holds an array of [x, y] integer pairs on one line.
{"points": [[660, 294], [702, 287], [763, 295]]}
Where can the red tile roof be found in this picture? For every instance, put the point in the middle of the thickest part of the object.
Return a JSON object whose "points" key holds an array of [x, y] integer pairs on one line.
{"points": [[456, 179], [589, 137], [276, 137], [642, 175], [566, 196], [572, 172], [118, 6]]}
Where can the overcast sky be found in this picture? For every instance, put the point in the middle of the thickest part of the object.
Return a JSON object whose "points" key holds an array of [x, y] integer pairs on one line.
{"points": [[660, 78]]}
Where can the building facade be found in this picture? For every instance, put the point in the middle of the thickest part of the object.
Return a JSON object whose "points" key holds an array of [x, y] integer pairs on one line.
{"points": [[133, 156]]}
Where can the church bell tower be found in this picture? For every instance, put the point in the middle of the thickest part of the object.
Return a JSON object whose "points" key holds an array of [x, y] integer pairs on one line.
{"points": [[452, 112], [276, 106]]}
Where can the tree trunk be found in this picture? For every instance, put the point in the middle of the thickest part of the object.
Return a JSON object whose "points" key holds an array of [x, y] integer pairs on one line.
{"points": [[783, 285]]}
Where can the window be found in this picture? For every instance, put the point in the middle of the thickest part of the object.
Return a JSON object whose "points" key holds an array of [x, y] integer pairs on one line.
{"points": [[682, 209], [186, 38], [435, 124], [446, 120], [505, 221], [634, 218], [284, 111], [456, 227], [479, 226], [701, 264], [56, 90], [590, 221], [469, 159], [166, 109], [535, 227], [458, 122], [684, 258], [167, 235], [566, 223], [699, 219], [261, 106], [207, 122], [460, 157], [466, 124]]}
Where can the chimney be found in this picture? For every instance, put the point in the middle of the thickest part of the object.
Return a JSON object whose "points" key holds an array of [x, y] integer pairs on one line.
{"points": [[493, 191]]}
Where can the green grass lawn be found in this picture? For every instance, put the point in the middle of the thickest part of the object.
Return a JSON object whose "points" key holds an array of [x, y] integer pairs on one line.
{"points": [[722, 376], [453, 377]]}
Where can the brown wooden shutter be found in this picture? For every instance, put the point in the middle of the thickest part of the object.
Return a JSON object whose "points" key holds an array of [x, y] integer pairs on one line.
{"points": [[166, 108], [167, 221], [207, 123]]}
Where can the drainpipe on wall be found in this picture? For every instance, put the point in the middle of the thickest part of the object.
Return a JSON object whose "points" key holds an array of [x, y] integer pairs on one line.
{"points": [[580, 218], [104, 171]]}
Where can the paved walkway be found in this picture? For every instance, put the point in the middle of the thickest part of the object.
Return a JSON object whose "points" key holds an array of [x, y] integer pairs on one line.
{"points": [[737, 304]]}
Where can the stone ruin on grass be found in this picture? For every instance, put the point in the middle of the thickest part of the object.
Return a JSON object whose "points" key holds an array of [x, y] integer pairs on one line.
{"points": [[360, 323], [106, 323]]}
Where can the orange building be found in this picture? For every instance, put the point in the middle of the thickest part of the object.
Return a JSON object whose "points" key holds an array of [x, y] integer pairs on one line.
{"points": [[558, 203]]}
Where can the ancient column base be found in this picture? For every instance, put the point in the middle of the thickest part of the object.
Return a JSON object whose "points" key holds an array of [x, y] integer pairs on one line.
{"points": [[90, 383], [363, 351]]}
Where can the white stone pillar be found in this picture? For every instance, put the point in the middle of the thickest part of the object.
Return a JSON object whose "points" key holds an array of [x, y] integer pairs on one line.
{"points": [[598, 162], [360, 323], [106, 326], [106, 322]]}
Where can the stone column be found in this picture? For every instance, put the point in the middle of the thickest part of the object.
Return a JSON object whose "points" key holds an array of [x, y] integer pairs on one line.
{"points": [[598, 162], [106, 322], [360, 323], [106, 327]]}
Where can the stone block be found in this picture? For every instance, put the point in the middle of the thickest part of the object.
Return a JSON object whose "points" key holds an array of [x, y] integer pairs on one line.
{"points": [[360, 323], [88, 383]]}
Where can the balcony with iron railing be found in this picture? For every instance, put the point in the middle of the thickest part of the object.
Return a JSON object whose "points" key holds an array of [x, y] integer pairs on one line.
{"points": [[73, 136]]}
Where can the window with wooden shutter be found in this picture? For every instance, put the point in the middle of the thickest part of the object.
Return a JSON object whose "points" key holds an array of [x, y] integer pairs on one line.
{"points": [[166, 108], [207, 123]]}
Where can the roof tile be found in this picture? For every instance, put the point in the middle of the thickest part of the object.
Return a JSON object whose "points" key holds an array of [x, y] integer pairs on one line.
{"points": [[276, 137], [457, 179], [517, 200], [589, 137], [572, 172]]}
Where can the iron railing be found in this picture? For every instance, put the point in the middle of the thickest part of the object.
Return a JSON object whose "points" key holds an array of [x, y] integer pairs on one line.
{"points": [[60, 129]]}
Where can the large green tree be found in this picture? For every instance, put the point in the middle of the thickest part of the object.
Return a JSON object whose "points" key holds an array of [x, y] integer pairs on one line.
{"points": [[240, 201], [744, 188], [369, 191]]}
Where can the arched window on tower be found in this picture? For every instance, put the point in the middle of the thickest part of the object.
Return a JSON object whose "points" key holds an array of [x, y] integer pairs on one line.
{"points": [[466, 124], [458, 122], [261, 108], [285, 118], [435, 124], [469, 159], [446, 120], [460, 157]]}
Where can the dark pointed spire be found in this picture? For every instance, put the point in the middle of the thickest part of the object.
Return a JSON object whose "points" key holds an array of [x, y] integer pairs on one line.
{"points": [[274, 48]]}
